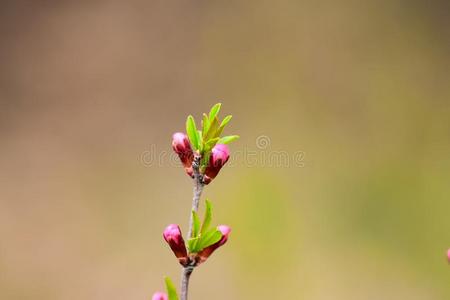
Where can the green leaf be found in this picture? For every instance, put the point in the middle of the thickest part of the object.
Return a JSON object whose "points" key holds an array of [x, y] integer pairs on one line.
{"points": [[212, 131], [196, 225], [171, 290], [210, 144], [200, 141], [228, 139], [191, 130], [205, 159], [192, 244], [207, 151], [211, 237], [208, 216], [205, 125], [214, 111], [225, 121], [223, 124]]}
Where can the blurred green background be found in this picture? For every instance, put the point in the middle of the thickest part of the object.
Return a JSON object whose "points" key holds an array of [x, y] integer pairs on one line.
{"points": [[361, 88]]}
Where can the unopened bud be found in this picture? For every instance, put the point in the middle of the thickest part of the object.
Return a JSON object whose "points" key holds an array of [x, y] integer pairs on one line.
{"points": [[448, 256], [172, 235], [182, 147], [159, 296], [219, 156], [205, 253]]}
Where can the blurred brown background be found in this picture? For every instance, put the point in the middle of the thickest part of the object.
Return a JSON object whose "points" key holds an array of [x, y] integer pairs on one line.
{"points": [[360, 87]]}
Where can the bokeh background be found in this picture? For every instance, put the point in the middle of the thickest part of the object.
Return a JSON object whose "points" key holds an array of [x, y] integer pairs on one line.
{"points": [[91, 91]]}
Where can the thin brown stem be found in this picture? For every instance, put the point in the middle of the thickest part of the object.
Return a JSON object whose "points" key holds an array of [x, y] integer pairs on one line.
{"points": [[198, 188], [185, 275]]}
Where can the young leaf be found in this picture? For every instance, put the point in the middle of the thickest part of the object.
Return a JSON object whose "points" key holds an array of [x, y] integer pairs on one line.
{"points": [[211, 237], [225, 121], [208, 216], [171, 290], [214, 111], [228, 139], [212, 131], [210, 144], [196, 224], [192, 245], [200, 141], [219, 131], [205, 125], [205, 159], [192, 131], [223, 124]]}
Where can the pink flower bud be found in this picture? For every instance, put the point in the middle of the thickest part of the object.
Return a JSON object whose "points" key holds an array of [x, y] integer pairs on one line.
{"points": [[448, 255], [219, 156], [172, 235], [205, 253], [182, 147], [225, 233], [159, 296]]}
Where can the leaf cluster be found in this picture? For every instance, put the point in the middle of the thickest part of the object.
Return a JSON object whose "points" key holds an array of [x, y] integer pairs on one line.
{"points": [[202, 235], [204, 139]]}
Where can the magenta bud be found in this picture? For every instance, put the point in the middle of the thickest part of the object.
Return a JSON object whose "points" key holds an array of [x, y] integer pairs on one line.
{"points": [[182, 147], [172, 235], [205, 253], [225, 232], [448, 256], [159, 296], [219, 156]]}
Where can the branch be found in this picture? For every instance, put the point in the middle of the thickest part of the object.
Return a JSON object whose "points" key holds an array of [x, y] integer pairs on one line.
{"points": [[198, 188]]}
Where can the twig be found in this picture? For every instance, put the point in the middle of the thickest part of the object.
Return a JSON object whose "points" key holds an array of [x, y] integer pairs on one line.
{"points": [[198, 188]]}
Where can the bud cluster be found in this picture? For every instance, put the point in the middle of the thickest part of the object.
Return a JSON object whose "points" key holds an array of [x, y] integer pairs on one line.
{"points": [[217, 159], [206, 144], [174, 238]]}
